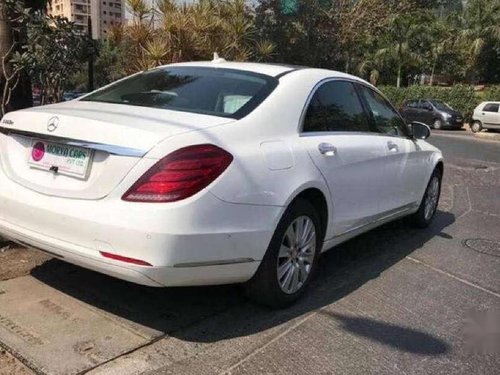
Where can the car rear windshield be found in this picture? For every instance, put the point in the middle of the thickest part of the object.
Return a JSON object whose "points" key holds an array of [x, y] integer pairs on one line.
{"points": [[214, 91]]}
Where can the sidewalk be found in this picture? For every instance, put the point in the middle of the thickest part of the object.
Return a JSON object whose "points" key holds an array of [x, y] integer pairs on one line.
{"points": [[395, 300], [485, 134]]}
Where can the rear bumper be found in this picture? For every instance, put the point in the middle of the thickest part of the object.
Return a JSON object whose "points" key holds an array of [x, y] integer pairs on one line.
{"points": [[201, 241], [150, 276]]}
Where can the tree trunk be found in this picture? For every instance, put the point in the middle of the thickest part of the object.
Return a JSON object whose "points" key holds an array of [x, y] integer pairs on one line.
{"points": [[398, 83], [400, 65], [431, 82], [347, 64], [5, 45], [5, 32], [21, 96]]}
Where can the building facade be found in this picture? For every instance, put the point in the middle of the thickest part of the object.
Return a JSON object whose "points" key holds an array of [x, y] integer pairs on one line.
{"points": [[105, 14]]}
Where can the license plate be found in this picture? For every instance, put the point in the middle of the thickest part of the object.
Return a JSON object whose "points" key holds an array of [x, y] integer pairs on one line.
{"points": [[60, 158], [459, 119]]}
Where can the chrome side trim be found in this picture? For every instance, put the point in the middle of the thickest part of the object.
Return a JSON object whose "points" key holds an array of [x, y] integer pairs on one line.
{"points": [[340, 238], [214, 263], [381, 217], [110, 149]]}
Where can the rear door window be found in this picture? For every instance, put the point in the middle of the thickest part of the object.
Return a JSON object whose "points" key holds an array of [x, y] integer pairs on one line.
{"points": [[491, 107], [336, 107]]}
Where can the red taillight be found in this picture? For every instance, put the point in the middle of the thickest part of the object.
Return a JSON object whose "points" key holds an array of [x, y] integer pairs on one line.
{"points": [[125, 259], [180, 174]]}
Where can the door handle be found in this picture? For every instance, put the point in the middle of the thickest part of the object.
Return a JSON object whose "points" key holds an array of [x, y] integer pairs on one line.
{"points": [[392, 146], [327, 149]]}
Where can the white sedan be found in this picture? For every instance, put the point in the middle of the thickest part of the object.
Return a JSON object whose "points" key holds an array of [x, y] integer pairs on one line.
{"points": [[213, 173]]}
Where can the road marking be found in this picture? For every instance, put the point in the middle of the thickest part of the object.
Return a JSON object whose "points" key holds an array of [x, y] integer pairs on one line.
{"points": [[469, 203], [454, 277]]}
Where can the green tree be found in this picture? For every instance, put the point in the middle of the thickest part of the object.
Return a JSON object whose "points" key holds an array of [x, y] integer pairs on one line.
{"points": [[168, 32], [302, 31], [53, 51], [478, 28], [15, 86], [401, 42]]}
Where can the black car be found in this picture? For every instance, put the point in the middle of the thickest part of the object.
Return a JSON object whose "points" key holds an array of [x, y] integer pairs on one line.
{"points": [[434, 113]]}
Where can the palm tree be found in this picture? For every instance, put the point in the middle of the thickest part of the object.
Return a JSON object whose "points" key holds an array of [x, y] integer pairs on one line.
{"points": [[441, 39], [398, 48], [479, 23]]}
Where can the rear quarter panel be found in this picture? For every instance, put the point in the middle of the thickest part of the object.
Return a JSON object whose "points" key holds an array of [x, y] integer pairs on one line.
{"points": [[270, 166]]}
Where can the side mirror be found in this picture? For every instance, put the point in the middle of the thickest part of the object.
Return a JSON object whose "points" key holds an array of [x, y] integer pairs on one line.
{"points": [[420, 130]]}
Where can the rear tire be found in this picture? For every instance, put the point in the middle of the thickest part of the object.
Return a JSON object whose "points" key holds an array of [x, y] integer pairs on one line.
{"points": [[288, 266], [428, 207], [437, 124], [476, 126]]}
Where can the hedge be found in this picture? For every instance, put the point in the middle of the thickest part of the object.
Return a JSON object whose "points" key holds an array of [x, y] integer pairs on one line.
{"points": [[463, 98], [491, 93]]}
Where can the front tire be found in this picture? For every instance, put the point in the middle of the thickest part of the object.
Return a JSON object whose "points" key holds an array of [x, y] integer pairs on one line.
{"points": [[437, 124], [476, 126], [428, 207], [291, 258]]}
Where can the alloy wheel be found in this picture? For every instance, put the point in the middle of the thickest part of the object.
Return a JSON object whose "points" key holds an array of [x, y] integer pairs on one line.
{"points": [[296, 254], [431, 198]]}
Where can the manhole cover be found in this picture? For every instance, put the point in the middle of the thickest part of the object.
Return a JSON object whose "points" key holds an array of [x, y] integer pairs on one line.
{"points": [[489, 247]]}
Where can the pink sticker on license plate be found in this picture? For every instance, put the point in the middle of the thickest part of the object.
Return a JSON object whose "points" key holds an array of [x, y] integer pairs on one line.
{"points": [[60, 158]]}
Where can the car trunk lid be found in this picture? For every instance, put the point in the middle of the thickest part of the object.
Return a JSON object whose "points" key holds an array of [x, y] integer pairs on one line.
{"points": [[114, 137]]}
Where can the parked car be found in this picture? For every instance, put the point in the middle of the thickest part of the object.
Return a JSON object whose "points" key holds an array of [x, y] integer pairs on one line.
{"points": [[71, 95], [434, 113], [36, 100], [213, 173], [486, 116]]}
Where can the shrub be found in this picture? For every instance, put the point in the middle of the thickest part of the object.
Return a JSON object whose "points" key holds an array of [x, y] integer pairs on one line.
{"points": [[492, 93], [460, 97]]}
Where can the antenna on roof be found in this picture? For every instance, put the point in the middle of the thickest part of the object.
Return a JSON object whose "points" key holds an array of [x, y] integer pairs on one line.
{"points": [[217, 59]]}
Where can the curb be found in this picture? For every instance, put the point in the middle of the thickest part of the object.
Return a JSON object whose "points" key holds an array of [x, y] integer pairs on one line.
{"points": [[487, 135], [484, 134]]}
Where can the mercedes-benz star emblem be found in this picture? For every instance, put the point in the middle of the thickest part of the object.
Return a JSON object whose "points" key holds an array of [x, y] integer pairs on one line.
{"points": [[53, 124]]}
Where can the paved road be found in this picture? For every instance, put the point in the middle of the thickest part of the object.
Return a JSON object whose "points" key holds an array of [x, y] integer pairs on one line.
{"points": [[459, 144], [396, 300]]}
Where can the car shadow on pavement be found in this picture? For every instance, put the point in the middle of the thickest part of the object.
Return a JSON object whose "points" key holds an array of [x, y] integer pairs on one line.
{"points": [[401, 338], [211, 314]]}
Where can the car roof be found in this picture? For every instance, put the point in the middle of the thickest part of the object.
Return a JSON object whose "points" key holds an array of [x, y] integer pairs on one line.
{"points": [[271, 69], [267, 69]]}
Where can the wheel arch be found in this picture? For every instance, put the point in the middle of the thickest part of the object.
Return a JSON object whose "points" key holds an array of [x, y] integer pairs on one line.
{"points": [[318, 199], [439, 166]]}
